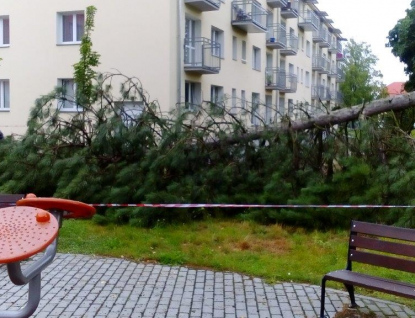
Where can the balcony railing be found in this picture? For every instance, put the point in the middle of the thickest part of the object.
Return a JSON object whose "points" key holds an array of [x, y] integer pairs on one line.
{"points": [[290, 11], [335, 47], [309, 21], [278, 79], [321, 65], [204, 5], [340, 74], [339, 97], [332, 71], [277, 3], [276, 36], [292, 46], [320, 92], [201, 56], [321, 37], [249, 16]]}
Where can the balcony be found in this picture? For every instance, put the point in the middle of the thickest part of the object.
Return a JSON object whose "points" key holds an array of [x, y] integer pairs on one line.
{"points": [[340, 57], [201, 56], [292, 46], [320, 92], [277, 79], [309, 21], [339, 98], [311, 1], [204, 5], [321, 65], [340, 74], [321, 37], [249, 16], [276, 37], [335, 47], [277, 3], [332, 71], [290, 11]]}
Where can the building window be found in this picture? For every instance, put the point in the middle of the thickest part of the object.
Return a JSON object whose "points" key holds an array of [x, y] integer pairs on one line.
{"points": [[192, 95], [4, 31], [233, 109], [70, 27], [234, 48], [307, 79], [255, 109], [130, 111], [290, 107], [216, 94], [298, 75], [67, 101], [4, 95], [218, 37], [243, 99], [268, 109], [256, 58], [308, 49], [243, 52]]}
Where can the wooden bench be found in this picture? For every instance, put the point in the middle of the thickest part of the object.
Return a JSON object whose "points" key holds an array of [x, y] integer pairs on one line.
{"points": [[7, 200], [378, 245]]}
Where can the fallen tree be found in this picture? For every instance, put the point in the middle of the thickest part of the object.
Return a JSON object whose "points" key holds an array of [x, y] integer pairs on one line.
{"points": [[343, 115]]}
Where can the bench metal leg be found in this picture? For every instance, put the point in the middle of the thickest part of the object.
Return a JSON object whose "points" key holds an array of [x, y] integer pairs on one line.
{"points": [[323, 296], [350, 290]]}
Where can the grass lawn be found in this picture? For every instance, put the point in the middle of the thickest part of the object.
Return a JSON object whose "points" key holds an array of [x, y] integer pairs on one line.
{"points": [[274, 253]]}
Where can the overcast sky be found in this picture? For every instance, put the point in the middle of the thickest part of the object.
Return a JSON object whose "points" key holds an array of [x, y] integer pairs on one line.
{"points": [[370, 21]]}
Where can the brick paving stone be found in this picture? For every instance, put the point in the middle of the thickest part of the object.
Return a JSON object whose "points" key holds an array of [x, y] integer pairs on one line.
{"points": [[87, 286]]}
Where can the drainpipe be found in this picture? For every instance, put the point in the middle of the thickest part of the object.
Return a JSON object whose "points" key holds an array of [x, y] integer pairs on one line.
{"points": [[180, 22]]}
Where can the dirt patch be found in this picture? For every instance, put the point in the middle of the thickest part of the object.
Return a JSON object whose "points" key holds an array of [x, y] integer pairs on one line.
{"points": [[355, 313]]}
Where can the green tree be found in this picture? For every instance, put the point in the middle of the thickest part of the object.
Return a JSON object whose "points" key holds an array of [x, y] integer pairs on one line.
{"points": [[362, 81], [402, 40]]}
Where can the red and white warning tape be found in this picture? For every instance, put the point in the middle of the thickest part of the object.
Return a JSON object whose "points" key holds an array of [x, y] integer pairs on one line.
{"points": [[203, 205]]}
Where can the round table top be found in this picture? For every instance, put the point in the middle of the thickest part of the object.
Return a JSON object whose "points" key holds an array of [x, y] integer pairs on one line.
{"points": [[73, 209], [25, 231]]}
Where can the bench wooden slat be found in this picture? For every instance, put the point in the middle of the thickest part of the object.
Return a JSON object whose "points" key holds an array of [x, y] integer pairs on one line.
{"points": [[383, 260], [376, 283], [376, 244], [383, 231], [7, 200]]}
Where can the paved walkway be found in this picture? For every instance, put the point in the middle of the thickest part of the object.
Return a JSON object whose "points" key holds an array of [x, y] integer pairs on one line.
{"points": [[87, 286]]}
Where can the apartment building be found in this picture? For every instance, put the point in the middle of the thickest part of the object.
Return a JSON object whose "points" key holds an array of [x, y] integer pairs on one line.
{"points": [[263, 58]]}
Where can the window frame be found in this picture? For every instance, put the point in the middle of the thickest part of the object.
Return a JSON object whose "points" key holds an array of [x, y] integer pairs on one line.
{"points": [[256, 58], [218, 36], [60, 27], [216, 95], [62, 103], [2, 31], [4, 95], [243, 49]]}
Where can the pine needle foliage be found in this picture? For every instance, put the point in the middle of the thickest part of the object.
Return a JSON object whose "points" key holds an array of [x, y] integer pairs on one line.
{"points": [[118, 147]]}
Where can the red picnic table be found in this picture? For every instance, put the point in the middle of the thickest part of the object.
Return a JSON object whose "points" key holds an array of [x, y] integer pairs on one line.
{"points": [[26, 230]]}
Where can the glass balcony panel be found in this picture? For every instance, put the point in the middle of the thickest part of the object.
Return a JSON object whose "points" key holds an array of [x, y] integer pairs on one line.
{"points": [[276, 36], [277, 3], [249, 16], [292, 46], [201, 56], [290, 11], [278, 79], [309, 21], [204, 5]]}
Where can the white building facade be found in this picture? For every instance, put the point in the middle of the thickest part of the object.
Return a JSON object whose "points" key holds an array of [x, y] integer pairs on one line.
{"points": [[274, 57]]}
